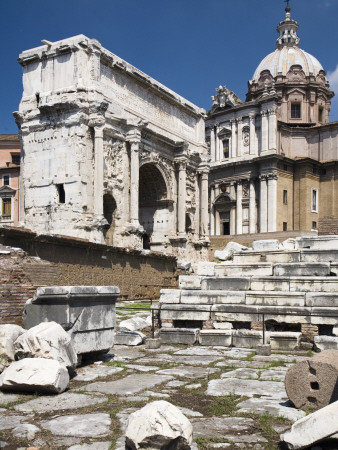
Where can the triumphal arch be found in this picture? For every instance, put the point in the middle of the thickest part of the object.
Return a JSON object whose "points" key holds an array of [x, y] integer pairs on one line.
{"points": [[108, 153]]}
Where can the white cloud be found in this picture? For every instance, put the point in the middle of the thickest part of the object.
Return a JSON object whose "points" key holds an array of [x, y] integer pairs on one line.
{"points": [[332, 76]]}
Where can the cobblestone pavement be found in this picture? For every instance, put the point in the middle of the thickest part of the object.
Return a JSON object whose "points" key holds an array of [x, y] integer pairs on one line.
{"points": [[234, 399]]}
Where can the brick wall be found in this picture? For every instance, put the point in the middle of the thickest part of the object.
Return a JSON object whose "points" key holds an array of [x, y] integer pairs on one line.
{"points": [[55, 260], [328, 225]]}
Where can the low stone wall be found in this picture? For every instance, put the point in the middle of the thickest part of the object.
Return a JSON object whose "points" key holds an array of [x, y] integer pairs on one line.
{"points": [[219, 242], [73, 262]]}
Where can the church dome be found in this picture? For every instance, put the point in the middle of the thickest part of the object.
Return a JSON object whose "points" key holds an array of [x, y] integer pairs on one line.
{"points": [[280, 61], [288, 53]]}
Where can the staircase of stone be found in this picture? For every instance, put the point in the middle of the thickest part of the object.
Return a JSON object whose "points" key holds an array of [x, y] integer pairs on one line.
{"points": [[281, 289]]}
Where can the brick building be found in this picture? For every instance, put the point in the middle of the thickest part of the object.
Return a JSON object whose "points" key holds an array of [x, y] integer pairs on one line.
{"points": [[9, 179]]}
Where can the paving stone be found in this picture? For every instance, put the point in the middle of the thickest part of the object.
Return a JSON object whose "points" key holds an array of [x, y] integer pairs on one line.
{"points": [[156, 394], [157, 359], [63, 441], [217, 427], [271, 407], [196, 360], [93, 446], [67, 400], [237, 363], [193, 386], [141, 368], [81, 425], [274, 374], [125, 352], [131, 384], [25, 431], [120, 443], [199, 351], [175, 383], [7, 398], [272, 389], [90, 373], [238, 353], [241, 373], [189, 412], [8, 421], [188, 371]]}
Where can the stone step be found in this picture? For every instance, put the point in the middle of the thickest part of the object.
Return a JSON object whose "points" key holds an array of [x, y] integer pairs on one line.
{"points": [[285, 284], [275, 256], [319, 255], [286, 256], [230, 269], [313, 269], [328, 242]]}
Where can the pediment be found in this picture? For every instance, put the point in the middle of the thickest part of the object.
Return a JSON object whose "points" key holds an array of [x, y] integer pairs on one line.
{"points": [[225, 197], [296, 73], [224, 132], [265, 79], [296, 91], [321, 78], [6, 190]]}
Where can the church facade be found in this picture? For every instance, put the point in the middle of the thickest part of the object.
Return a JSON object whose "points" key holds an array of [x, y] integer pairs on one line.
{"points": [[111, 155], [274, 157]]}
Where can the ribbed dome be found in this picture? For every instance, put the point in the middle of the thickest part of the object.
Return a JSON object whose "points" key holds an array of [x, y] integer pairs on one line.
{"points": [[288, 53], [280, 61]]}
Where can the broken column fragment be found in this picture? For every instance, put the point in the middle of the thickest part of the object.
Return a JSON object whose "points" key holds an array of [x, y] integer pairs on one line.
{"points": [[312, 384], [47, 340], [159, 425], [87, 313]]}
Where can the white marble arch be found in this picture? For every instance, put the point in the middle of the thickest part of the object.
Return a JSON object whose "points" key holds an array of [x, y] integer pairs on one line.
{"points": [[156, 210]]}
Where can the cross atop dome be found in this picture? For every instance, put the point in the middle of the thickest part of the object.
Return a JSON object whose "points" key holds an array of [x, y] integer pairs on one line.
{"points": [[287, 30]]}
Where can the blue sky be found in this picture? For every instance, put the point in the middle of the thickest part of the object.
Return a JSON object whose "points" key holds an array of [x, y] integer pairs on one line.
{"points": [[191, 46]]}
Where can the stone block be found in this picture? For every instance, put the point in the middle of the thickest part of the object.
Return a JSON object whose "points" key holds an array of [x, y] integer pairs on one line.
{"points": [[185, 312], [322, 343], [270, 284], [80, 310], [266, 298], [226, 283], [212, 297], [277, 256], [45, 376], [179, 335], [324, 316], [265, 245], [229, 250], [263, 350], [236, 270], [312, 429], [222, 325], [129, 338], [189, 282], [206, 269], [313, 284], [287, 340], [153, 343], [301, 269], [318, 255], [170, 296], [329, 242], [312, 384], [246, 338], [321, 299], [47, 340], [216, 337]]}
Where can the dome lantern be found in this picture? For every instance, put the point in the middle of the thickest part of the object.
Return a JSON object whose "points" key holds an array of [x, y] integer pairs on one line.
{"points": [[287, 31]]}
